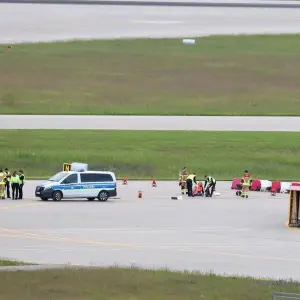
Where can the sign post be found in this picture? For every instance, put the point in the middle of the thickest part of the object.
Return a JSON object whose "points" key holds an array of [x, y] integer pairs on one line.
{"points": [[67, 167]]}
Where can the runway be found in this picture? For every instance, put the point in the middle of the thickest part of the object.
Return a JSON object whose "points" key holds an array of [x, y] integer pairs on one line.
{"points": [[53, 22], [284, 124], [177, 3], [225, 234]]}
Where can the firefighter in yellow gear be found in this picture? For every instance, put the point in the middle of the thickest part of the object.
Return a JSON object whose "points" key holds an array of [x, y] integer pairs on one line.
{"points": [[183, 174], [246, 182], [2, 184]]}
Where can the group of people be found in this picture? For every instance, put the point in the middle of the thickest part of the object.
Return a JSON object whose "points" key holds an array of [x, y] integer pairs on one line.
{"points": [[11, 182], [186, 182]]}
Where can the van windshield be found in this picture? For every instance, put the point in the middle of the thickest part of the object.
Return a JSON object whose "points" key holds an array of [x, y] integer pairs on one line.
{"points": [[57, 177]]}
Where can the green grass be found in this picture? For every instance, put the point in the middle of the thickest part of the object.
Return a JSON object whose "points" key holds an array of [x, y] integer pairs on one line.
{"points": [[240, 75], [9, 263], [134, 284], [143, 154]]}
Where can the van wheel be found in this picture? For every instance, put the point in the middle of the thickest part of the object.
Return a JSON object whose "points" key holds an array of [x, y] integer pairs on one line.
{"points": [[91, 199], [103, 196], [57, 195]]}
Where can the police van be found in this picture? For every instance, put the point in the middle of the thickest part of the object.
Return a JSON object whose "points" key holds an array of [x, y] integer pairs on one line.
{"points": [[78, 184]]}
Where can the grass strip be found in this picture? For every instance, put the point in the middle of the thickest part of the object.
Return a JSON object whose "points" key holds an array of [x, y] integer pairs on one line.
{"points": [[159, 154], [220, 75], [9, 263], [134, 284]]}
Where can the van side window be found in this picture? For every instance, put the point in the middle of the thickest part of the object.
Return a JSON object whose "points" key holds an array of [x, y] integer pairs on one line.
{"points": [[94, 177], [70, 179]]}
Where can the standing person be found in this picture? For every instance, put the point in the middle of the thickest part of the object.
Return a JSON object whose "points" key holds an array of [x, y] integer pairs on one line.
{"points": [[211, 185], [182, 180], [246, 182], [2, 184], [15, 185], [21, 183], [189, 183], [7, 182]]}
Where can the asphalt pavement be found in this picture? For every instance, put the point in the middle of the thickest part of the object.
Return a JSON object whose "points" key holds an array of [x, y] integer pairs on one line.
{"points": [[225, 233], [54, 22], [283, 124]]}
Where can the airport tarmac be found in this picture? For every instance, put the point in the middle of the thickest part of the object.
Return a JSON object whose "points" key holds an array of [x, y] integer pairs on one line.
{"points": [[53, 22], [213, 123], [224, 234]]}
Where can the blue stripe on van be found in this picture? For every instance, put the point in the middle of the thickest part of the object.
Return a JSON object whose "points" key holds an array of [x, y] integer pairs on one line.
{"points": [[84, 186]]}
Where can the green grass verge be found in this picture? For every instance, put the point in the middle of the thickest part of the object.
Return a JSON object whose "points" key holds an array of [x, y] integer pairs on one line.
{"points": [[236, 75], [144, 154], [9, 263], [134, 284]]}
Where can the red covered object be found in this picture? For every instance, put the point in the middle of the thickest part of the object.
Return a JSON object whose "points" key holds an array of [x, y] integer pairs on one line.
{"points": [[198, 189], [295, 183], [275, 187], [256, 185], [235, 183]]}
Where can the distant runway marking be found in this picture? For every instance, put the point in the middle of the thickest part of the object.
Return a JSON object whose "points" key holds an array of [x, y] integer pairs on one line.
{"points": [[141, 230], [136, 247], [158, 22], [12, 233], [24, 234], [20, 206]]}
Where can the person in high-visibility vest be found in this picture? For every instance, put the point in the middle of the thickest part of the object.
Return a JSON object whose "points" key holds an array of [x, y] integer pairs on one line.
{"points": [[189, 183], [2, 184], [211, 185], [183, 174], [7, 182], [21, 183], [15, 185], [246, 182]]}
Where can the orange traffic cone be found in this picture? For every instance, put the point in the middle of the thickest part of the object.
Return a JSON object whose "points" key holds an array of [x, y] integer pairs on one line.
{"points": [[154, 183], [124, 180], [140, 194]]}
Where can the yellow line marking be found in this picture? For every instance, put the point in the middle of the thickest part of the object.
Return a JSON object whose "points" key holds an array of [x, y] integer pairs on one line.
{"points": [[25, 234], [20, 205], [260, 257], [12, 233]]}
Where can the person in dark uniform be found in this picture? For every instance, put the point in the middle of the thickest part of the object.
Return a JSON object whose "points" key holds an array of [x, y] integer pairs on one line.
{"points": [[189, 183], [21, 183]]}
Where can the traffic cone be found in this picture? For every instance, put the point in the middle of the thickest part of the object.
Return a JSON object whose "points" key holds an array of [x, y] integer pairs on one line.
{"points": [[140, 194], [124, 180], [154, 183]]}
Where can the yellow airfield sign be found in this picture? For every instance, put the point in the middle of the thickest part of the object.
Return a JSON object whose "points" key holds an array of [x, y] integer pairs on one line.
{"points": [[66, 167]]}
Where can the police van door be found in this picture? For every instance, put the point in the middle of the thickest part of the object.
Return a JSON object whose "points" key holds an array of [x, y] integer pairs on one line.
{"points": [[70, 187]]}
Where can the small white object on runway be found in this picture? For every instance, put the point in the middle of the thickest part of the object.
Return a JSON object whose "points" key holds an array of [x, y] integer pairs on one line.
{"points": [[189, 41], [176, 198], [217, 194]]}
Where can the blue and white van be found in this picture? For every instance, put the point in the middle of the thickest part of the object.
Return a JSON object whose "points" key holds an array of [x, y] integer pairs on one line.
{"points": [[72, 184]]}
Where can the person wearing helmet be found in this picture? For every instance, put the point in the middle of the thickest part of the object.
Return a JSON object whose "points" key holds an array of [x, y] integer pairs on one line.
{"points": [[183, 174], [246, 182]]}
